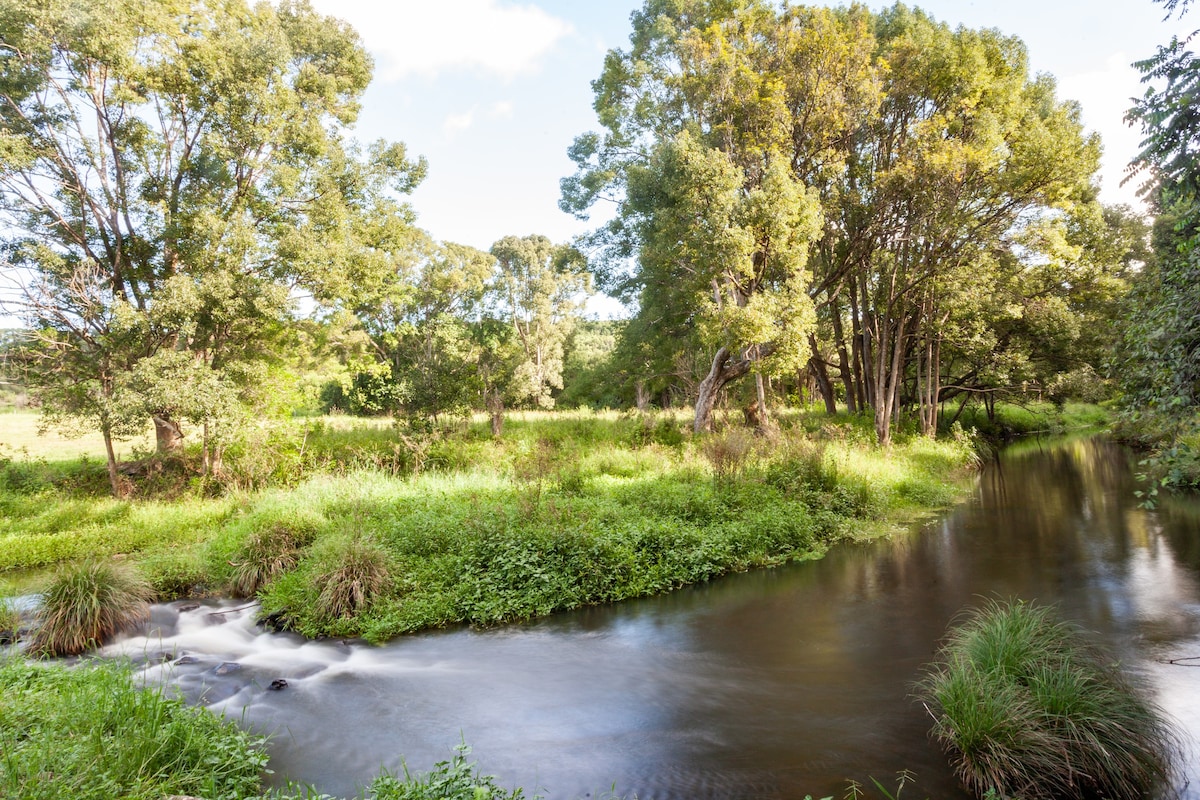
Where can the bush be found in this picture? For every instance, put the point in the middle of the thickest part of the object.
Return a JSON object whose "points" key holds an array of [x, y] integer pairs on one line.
{"points": [[1026, 709], [86, 604]]}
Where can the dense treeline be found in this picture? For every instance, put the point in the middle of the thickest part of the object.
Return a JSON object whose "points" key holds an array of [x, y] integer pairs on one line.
{"points": [[867, 208], [887, 207]]}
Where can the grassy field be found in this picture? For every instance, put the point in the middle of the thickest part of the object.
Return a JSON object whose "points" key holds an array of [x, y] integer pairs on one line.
{"points": [[21, 438], [367, 530]]}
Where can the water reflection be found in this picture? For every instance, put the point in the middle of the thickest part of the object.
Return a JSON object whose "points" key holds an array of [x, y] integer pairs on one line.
{"points": [[772, 684]]}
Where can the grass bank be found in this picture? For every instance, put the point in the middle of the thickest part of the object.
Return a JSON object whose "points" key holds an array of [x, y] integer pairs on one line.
{"points": [[88, 733], [369, 531]]}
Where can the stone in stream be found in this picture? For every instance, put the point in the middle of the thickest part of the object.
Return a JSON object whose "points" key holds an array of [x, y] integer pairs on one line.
{"points": [[277, 684], [227, 668]]}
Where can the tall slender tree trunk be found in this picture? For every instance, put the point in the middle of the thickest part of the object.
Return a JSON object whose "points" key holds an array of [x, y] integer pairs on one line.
{"points": [[817, 367], [764, 419], [495, 405], [843, 358], [114, 477]]}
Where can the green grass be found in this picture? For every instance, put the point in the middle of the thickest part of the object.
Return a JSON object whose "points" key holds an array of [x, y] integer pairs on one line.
{"points": [[567, 509], [1027, 709], [88, 734], [85, 604], [1013, 419]]}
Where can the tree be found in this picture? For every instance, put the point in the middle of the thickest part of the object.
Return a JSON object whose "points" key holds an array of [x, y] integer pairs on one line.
{"points": [[1159, 362], [419, 323], [887, 154], [170, 172], [537, 290], [699, 155]]}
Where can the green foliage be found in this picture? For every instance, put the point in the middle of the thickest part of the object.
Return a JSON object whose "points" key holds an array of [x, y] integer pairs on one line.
{"points": [[1027, 709], [769, 211], [208, 175], [456, 779], [87, 733], [538, 291], [85, 604], [565, 510]]}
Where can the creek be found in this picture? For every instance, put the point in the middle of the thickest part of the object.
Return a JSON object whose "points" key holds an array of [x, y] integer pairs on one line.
{"points": [[771, 684]]}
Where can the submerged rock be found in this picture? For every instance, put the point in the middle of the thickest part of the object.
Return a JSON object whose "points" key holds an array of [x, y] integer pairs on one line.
{"points": [[227, 668], [277, 684]]}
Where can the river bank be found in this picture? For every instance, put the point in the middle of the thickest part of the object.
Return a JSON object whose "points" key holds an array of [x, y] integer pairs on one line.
{"points": [[768, 684], [565, 511]]}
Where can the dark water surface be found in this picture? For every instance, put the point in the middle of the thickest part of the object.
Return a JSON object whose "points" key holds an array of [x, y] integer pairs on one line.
{"points": [[773, 684]]}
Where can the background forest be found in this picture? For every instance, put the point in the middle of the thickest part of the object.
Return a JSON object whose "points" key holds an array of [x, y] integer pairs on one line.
{"points": [[872, 211]]}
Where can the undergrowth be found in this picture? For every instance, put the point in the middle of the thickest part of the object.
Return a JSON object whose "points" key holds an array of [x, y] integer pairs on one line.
{"points": [[563, 511]]}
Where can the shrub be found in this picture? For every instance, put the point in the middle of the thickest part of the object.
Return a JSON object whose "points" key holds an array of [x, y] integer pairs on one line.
{"points": [[86, 604], [1026, 709], [448, 780], [729, 452]]}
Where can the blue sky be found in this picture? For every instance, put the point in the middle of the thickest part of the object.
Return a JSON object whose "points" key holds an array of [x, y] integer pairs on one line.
{"points": [[493, 92]]}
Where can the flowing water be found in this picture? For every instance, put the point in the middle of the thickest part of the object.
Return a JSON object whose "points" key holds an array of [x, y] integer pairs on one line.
{"points": [[772, 684]]}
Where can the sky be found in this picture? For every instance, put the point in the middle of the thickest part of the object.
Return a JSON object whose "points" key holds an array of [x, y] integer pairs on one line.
{"points": [[493, 92]]}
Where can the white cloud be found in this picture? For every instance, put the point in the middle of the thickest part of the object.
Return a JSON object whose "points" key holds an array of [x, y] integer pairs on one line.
{"points": [[502, 110], [427, 37], [1105, 95], [458, 122]]}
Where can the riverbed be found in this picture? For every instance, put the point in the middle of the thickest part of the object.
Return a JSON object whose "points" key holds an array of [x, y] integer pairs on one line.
{"points": [[771, 684]]}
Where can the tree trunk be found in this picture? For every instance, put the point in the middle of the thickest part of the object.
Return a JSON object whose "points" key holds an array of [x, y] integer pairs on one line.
{"points": [[495, 404], [168, 435], [114, 477], [641, 396], [764, 419], [724, 370], [843, 358]]}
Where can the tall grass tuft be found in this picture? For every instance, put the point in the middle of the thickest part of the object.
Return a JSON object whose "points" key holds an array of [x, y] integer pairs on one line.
{"points": [[1026, 708], [86, 604], [266, 555], [355, 575]]}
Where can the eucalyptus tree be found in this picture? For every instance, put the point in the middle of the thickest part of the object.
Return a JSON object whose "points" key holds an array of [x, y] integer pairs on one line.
{"points": [[171, 173], [537, 291], [713, 116], [895, 156], [965, 150]]}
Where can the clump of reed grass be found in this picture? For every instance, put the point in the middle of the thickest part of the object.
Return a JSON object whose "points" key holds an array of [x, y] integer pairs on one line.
{"points": [[86, 604], [1026, 708], [356, 573], [266, 555]]}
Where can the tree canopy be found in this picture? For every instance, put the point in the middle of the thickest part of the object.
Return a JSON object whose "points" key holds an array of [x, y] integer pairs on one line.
{"points": [[794, 183], [171, 173]]}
